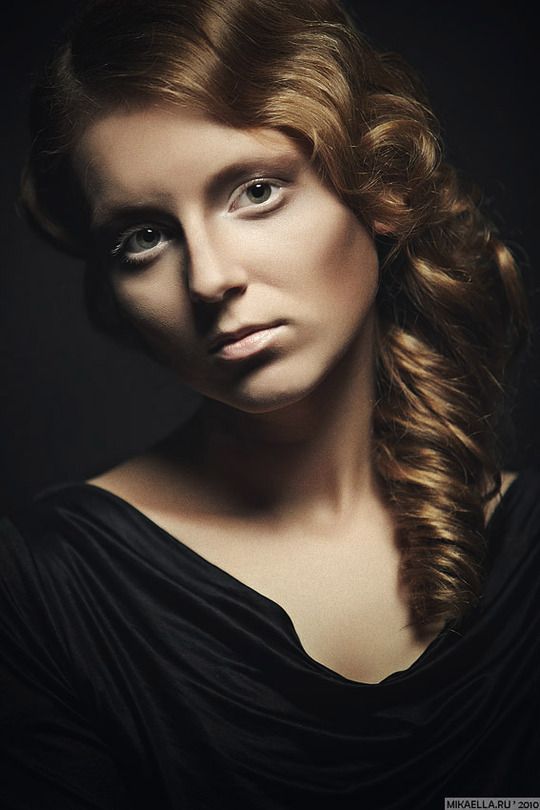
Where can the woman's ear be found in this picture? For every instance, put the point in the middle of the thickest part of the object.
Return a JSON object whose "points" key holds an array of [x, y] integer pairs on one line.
{"points": [[381, 229]]}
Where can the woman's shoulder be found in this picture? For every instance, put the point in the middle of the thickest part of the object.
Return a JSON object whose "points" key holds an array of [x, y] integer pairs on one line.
{"points": [[115, 512], [103, 500], [513, 534], [70, 525], [62, 507]]}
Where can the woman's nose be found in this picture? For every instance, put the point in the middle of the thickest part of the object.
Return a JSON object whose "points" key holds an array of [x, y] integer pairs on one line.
{"points": [[214, 271]]}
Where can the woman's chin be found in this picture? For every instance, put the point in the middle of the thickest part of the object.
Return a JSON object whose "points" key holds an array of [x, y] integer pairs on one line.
{"points": [[264, 394], [259, 402]]}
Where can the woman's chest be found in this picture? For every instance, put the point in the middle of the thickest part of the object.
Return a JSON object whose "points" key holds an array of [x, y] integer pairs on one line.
{"points": [[342, 593]]}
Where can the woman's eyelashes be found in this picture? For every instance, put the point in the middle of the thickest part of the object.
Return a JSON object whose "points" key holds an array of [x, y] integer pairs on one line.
{"points": [[257, 193], [140, 244]]}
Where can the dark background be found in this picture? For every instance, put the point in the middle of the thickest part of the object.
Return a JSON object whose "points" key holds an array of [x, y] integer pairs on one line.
{"points": [[72, 403]]}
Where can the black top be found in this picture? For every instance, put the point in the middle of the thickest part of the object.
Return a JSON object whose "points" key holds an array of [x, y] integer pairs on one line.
{"points": [[136, 674]]}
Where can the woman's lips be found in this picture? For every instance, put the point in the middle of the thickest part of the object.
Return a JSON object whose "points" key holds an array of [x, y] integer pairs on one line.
{"points": [[248, 345]]}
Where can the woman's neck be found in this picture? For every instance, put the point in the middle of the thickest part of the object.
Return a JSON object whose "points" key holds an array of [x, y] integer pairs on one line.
{"points": [[314, 456]]}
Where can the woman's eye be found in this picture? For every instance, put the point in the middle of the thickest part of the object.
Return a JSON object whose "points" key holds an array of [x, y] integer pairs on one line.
{"points": [[256, 193], [140, 244], [145, 239], [259, 192]]}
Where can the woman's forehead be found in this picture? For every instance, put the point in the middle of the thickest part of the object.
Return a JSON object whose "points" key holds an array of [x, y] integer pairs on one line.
{"points": [[125, 153]]}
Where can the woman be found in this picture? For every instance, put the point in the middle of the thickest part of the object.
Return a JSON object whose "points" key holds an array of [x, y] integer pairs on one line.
{"points": [[320, 591]]}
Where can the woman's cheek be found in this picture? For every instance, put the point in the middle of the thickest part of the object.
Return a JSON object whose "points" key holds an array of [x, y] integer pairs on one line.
{"points": [[149, 302], [336, 247]]}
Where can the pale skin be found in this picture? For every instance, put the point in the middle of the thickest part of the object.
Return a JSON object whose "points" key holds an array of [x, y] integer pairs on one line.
{"points": [[274, 484]]}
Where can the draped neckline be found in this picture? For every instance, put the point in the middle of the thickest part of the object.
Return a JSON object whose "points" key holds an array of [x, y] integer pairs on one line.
{"points": [[278, 609]]}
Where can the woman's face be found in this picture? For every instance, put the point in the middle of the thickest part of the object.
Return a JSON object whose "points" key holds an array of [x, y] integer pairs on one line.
{"points": [[228, 253]]}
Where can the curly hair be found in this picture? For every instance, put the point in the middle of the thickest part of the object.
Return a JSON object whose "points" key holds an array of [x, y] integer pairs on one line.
{"points": [[451, 308]]}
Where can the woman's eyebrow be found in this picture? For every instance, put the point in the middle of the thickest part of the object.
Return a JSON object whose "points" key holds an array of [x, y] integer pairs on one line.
{"points": [[117, 214], [256, 166], [108, 212]]}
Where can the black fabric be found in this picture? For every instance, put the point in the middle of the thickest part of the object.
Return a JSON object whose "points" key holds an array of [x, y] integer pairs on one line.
{"points": [[136, 674]]}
